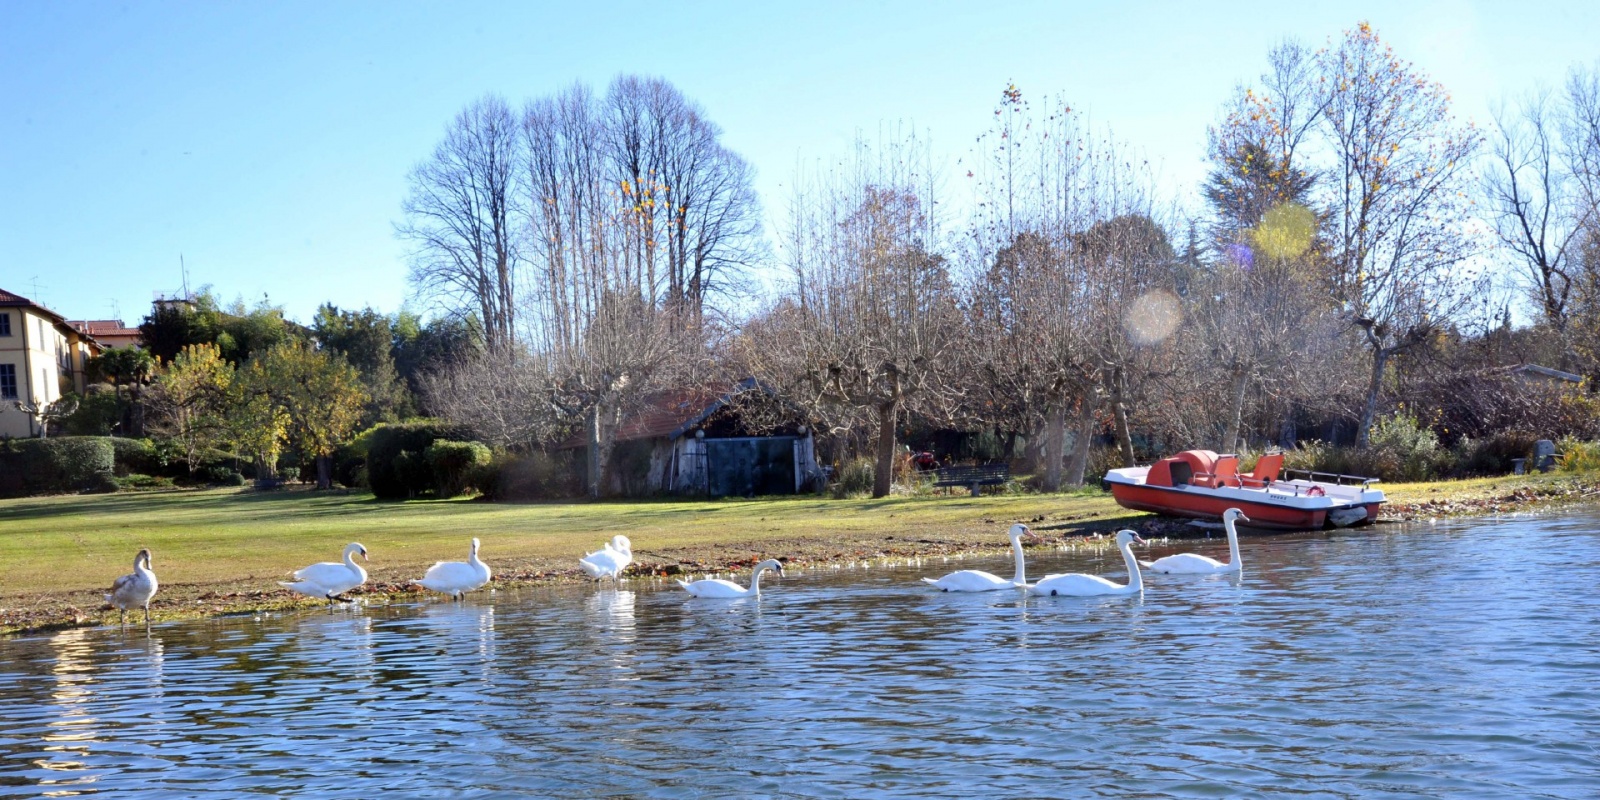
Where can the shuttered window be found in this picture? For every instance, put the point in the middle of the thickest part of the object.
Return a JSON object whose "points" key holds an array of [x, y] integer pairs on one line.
{"points": [[5, 324], [8, 381]]}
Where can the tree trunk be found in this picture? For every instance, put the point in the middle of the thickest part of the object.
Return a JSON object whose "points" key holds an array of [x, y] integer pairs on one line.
{"points": [[593, 465], [1081, 445], [1230, 436], [1055, 435], [1380, 359], [1119, 411], [883, 473], [324, 472]]}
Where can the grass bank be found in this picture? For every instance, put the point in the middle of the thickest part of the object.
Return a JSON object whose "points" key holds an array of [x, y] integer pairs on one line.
{"points": [[223, 550]]}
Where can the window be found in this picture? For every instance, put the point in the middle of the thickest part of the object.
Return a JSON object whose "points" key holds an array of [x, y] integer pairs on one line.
{"points": [[5, 324], [8, 381]]}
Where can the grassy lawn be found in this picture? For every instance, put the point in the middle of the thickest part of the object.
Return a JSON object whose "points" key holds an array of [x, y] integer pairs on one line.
{"points": [[228, 547], [233, 536]]}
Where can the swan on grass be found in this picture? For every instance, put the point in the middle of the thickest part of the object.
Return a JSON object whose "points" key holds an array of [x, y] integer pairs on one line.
{"points": [[330, 579], [1195, 564], [719, 588], [1077, 584], [455, 578], [135, 589], [609, 561], [973, 580]]}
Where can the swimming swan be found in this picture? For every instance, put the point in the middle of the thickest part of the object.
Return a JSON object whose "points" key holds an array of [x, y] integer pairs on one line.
{"points": [[456, 577], [1194, 564], [609, 561], [973, 580], [330, 579], [135, 589], [719, 588], [1077, 584]]}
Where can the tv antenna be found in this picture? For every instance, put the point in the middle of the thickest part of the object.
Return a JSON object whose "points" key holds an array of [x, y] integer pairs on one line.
{"points": [[185, 270]]}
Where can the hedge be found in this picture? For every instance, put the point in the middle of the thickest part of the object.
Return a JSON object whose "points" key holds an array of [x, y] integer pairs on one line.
{"points": [[397, 462], [62, 464], [455, 465]]}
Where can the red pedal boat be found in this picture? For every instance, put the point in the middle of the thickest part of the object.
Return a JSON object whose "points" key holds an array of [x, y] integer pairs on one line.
{"points": [[1203, 484]]}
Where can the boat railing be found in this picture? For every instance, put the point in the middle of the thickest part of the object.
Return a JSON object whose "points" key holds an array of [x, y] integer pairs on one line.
{"points": [[1337, 479]]}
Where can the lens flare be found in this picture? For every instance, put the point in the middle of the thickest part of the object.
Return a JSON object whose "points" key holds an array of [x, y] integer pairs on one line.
{"points": [[1285, 231], [1152, 317]]}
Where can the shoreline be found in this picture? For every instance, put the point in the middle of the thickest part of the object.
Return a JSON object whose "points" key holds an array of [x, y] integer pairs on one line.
{"points": [[1061, 521]]}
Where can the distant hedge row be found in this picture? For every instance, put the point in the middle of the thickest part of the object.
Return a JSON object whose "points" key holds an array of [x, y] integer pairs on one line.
{"points": [[62, 464]]}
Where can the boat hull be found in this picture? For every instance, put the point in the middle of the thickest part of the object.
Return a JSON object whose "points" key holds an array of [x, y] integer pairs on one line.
{"points": [[1268, 513]]}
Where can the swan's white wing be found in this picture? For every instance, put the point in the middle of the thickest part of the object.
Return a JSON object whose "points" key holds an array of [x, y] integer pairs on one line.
{"points": [[1185, 563], [604, 563], [454, 576], [971, 580], [715, 587], [1077, 585], [325, 572]]}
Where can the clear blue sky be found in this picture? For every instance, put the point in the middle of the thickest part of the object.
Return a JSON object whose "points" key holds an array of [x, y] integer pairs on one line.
{"points": [[268, 143]]}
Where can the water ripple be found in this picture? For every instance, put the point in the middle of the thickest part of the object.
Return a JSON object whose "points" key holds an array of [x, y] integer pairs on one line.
{"points": [[1450, 660]]}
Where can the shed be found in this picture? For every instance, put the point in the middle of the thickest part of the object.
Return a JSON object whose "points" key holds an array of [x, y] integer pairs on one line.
{"points": [[699, 442]]}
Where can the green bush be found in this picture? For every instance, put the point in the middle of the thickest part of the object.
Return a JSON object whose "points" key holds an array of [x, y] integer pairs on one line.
{"points": [[135, 480], [1493, 454], [455, 464], [1576, 455], [137, 457], [97, 415], [1411, 448], [854, 478], [219, 475], [536, 476], [62, 464], [290, 474], [397, 467]]}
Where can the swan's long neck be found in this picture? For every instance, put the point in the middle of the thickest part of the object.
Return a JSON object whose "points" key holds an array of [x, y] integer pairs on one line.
{"points": [[1233, 544], [755, 579], [1016, 553], [350, 561], [141, 565], [1135, 579]]}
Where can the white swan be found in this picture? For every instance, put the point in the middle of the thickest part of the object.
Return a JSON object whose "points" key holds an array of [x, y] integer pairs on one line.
{"points": [[719, 588], [609, 561], [135, 589], [330, 579], [1077, 584], [1195, 564], [973, 580], [456, 577]]}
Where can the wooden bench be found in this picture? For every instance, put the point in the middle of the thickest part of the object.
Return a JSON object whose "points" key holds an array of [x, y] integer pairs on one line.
{"points": [[972, 477]]}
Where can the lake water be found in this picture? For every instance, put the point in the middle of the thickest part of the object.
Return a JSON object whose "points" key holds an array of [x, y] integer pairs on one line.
{"points": [[1458, 660]]}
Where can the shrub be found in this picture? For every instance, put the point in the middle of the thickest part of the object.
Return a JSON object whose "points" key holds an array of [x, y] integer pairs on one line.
{"points": [[396, 465], [220, 476], [536, 476], [1101, 461], [1493, 454], [62, 464], [290, 474], [135, 480], [136, 456], [1412, 448], [97, 414], [854, 478], [1576, 455], [455, 464]]}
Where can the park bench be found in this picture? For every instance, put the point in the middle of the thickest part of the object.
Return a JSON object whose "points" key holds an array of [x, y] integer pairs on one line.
{"points": [[972, 477]]}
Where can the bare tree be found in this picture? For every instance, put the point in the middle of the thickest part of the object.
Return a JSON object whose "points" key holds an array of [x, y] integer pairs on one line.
{"points": [[1533, 202], [872, 318], [1396, 196], [461, 219]]}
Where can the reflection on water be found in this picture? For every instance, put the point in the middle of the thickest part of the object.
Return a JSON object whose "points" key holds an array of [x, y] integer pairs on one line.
{"points": [[1454, 660]]}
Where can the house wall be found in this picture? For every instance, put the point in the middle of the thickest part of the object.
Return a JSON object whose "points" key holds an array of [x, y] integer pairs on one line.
{"points": [[48, 362]]}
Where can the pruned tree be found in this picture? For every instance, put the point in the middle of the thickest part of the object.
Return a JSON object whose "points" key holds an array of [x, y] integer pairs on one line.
{"points": [[873, 313], [461, 220]]}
